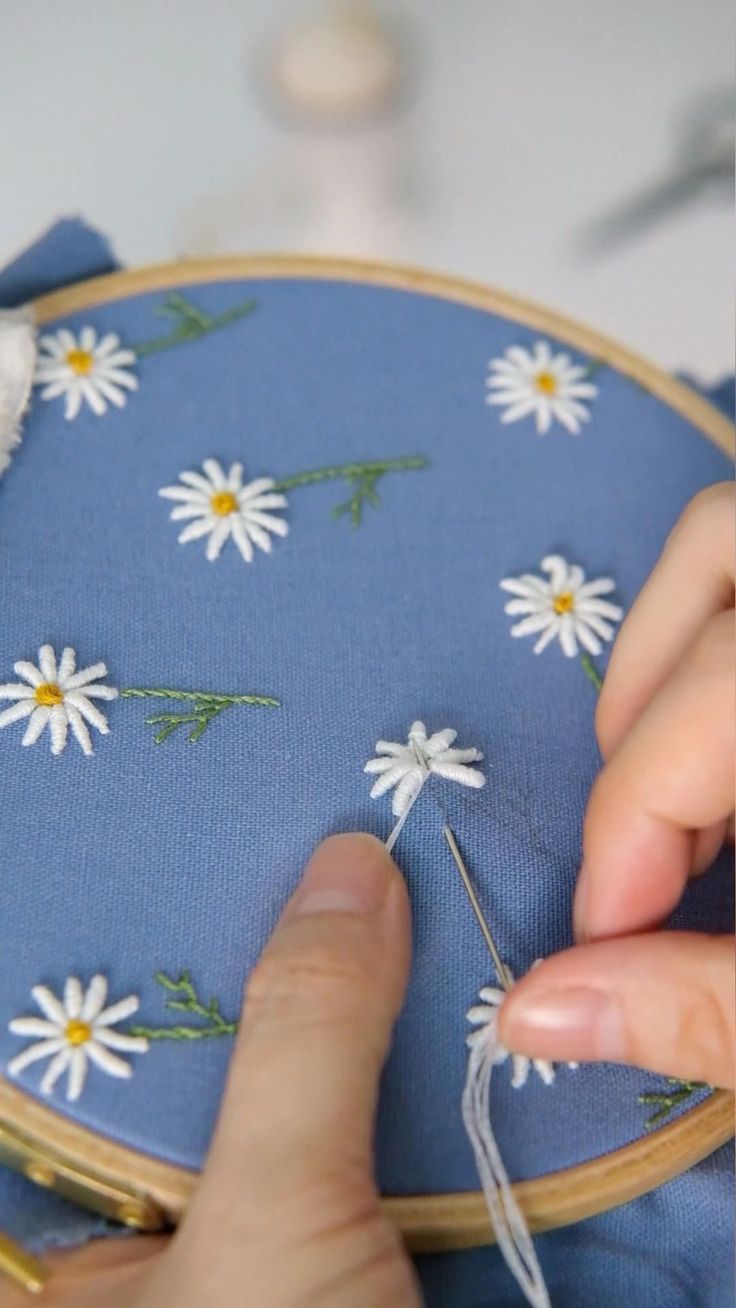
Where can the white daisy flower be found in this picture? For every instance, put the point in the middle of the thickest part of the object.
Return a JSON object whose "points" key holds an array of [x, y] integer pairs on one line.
{"points": [[407, 766], [84, 368], [75, 1033], [484, 1017], [57, 697], [537, 381], [562, 605], [220, 506]]}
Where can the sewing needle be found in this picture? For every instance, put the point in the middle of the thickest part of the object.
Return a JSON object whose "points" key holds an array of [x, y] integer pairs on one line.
{"points": [[501, 971]]}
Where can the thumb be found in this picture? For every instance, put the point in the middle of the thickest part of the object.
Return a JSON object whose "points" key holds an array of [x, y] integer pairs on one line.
{"points": [[288, 1191], [663, 1002]]}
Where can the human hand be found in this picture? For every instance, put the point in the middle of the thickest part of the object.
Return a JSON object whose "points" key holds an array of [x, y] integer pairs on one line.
{"points": [[657, 815], [287, 1212]]}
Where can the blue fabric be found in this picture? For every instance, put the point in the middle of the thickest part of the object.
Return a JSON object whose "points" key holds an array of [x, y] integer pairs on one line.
{"points": [[144, 858], [69, 251]]}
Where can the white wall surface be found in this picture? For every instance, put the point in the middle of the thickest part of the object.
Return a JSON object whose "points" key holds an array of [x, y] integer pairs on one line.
{"points": [[523, 120]]}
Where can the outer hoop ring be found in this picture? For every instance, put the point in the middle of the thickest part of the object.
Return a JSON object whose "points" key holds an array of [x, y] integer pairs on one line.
{"points": [[147, 1193]]}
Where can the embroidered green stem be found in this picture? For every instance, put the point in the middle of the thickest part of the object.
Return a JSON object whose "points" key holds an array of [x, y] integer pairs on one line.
{"points": [[187, 1002], [667, 1101], [593, 367], [361, 478], [205, 707], [189, 323], [591, 671]]}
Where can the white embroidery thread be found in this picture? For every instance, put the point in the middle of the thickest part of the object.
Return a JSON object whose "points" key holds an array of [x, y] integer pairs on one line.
{"points": [[221, 506], [17, 364], [75, 1033], [407, 766], [562, 606], [549, 386], [57, 697], [84, 370], [487, 1052]]}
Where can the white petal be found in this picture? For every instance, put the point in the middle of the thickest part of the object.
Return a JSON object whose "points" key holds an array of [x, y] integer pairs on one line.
{"points": [[73, 401], [218, 536], [126, 1044], [460, 756], [84, 676], [242, 539], [52, 391], [545, 1070], [29, 672], [535, 622], [112, 393], [55, 1069], [520, 1075], [587, 638], [67, 664], [33, 1054], [266, 521], [117, 379], [187, 496], [199, 482], [406, 790], [77, 699], [100, 692], [252, 489], [563, 413], [390, 778], [552, 630], [458, 772], [47, 662], [79, 730], [58, 727], [33, 1026], [39, 719], [492, 995], [196, 529], [389, 747], [52, 345], [215, 474], [602, 586], [73, 997], [379, 765], [597, 624], [17, 711], [94, 998], [118, 1012], [50, 1006], [107, 1061], [601, 608], [107, 344], [439, 741], [235, 477], [567, 636], [77, 1073], [268, 502], [557, 567], [184, 512], [67, 340], [259, 537], [88, 339], [544, 416]]}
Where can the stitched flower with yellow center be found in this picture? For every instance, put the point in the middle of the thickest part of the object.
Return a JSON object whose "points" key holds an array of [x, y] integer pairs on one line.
{"points": [[537, 382], [76, 1032], [57, 697], [221, 506], [84, 370], [562, 605]]}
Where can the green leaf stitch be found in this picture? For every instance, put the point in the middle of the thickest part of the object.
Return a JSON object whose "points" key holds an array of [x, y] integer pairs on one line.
{"points": [[361, 479], [190, 323], [591, 671], [206, 706], [214, 1023], [667, 1101]]}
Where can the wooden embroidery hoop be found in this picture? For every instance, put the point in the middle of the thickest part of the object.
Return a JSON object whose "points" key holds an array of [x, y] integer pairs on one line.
{"points": [[148, 1194]]}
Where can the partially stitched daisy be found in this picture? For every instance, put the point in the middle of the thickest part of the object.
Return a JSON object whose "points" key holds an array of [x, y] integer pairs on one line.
{"points": [[57, 698], [75, 1033], [407, 766], [221, 506], [84, 369], [538, 382], [563, 606]]}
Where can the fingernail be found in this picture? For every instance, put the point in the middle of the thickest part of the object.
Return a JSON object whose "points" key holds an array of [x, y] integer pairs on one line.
{"points": [[346, 874], [565, 1024], [580, 907]]}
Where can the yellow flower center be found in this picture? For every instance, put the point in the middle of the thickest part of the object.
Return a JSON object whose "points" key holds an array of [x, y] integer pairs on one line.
{"points": [[78, 1033], [546, 383], [564, 602], [49, 694], [80, 362], [223, 502]]}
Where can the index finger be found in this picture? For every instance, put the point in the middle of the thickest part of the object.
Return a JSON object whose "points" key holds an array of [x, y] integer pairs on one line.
{"points": [[670, 778]]}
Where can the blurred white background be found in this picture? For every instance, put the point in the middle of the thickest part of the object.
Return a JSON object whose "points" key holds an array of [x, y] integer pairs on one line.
{"points": [[515, 130]]}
